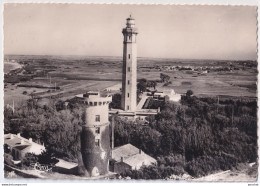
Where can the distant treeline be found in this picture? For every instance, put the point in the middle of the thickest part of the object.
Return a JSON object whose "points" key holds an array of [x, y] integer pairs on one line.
{"points": [[38, 86]]}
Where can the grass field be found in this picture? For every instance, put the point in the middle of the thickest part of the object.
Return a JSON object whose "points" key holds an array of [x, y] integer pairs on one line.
{"points": [[78, 74]]}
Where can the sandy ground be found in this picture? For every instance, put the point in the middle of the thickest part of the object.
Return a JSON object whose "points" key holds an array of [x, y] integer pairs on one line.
{"points": [[230, 176]]}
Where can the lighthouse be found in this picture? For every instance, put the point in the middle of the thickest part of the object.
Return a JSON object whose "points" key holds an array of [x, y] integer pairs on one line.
{"points": [[129, 75], [95, 139]]}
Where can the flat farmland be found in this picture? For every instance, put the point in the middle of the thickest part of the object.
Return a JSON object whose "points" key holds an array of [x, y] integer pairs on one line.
{"points": [[241, 82], [213, 84], [66, 76]]}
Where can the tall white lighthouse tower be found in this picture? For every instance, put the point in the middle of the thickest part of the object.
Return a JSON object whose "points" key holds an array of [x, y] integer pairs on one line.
{"points": [[129, 75]]}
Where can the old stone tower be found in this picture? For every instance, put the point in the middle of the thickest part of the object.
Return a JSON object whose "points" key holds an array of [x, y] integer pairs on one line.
{"points": [[129, 75], [95, 139]]}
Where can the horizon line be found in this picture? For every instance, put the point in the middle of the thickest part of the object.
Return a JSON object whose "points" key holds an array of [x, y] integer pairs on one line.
{"points": [[4, 55]]}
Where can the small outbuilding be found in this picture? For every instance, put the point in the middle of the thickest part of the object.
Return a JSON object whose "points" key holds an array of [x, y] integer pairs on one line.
{"points": [[16, 147], [128, 157]]}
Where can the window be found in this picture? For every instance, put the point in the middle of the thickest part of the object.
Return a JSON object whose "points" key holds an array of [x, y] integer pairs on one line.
{"points": [[128, 69], [97, 118], [129, 37], [128, 82], [97, 142], [127, 94], [128, 56], [95, 103], [97, 130], [127, 107]]}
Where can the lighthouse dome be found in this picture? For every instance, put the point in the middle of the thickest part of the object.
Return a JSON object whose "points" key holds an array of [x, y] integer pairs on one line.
{"points": [[130, 22]]}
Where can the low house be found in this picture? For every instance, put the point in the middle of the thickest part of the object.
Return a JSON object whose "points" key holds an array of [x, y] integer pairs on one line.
{"points": [[158, 95], [116, 87], [128, 157], [171, 95], [15, 147]]}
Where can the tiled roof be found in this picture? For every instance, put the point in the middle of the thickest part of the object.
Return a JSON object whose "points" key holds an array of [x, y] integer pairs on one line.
{"points": [[132, 156], [138, 160], [124, 151]]}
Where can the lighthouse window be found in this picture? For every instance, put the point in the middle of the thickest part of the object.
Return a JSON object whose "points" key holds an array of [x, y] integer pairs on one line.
{"points": [[97, 143], [128, 69], [97, 130], [128, 56], [127, 107], [97, 118], [129, 37], [127, 94], [128, 82]]}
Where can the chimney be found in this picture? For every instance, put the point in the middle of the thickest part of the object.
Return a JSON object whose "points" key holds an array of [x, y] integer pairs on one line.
{"points": [[22, 141], [18, 135], [30, 140], [11, 136], [140, 151], [122, 159]]}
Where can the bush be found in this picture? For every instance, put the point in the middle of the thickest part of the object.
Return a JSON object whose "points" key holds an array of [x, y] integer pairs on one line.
{"points": [[167, 83], [116, 101], [29, 159]]}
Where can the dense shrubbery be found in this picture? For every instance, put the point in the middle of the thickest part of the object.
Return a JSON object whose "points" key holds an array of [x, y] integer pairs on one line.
{"points": [[58, 128], [143, 85], [210, 136], [199, 136], [45, 158]]}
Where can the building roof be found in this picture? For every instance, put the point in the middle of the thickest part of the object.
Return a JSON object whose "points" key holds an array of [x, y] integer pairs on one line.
{"points": [[20, 143], [14, 140], [124, 151], [138, 160], [65, 164], [22, 147], [132, 156]]}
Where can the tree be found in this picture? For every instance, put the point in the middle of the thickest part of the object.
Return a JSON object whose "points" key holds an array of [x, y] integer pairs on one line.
{"points": [[141, 87], [189, 93], [29, 158], [46, 157], [116, 101], [164, 77], [154, 84]]}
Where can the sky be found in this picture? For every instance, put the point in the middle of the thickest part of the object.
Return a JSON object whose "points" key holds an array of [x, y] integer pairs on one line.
{"points": [[165, 31]]}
